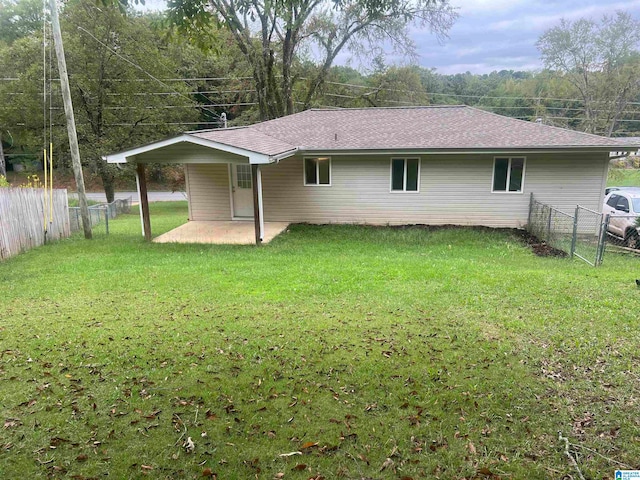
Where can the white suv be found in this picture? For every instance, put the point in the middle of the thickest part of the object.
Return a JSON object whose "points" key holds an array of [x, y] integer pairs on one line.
{"points": [[624, 208]]}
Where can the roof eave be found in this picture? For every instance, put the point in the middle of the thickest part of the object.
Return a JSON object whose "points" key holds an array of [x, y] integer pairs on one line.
{"points": [[129, 155], [465, 151]]}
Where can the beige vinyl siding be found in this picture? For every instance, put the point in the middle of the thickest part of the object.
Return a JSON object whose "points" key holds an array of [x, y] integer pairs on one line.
{"points": [[208, 191], [454, 189]]}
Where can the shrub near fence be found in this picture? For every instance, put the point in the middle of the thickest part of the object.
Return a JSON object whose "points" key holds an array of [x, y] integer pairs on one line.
{"points": [[22, 219]]}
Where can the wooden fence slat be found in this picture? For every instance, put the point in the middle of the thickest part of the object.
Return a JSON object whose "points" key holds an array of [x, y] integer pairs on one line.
{"points": [[22, 221]]}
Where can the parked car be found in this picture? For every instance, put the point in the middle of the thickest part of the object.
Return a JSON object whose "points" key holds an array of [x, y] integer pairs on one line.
{"points": [[623, 206], [608, 190]]}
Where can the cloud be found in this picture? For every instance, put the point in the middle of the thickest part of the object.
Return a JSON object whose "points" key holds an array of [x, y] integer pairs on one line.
{"points": [[485, 6], [491, 34], [545, 21], [499, 34]]}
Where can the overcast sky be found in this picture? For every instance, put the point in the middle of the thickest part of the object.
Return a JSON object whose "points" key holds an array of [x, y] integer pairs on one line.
{"points": [[498, 34], [501, 34]]}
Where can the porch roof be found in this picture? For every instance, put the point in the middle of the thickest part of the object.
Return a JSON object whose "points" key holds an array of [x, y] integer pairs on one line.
{"points": [[231, 144]]}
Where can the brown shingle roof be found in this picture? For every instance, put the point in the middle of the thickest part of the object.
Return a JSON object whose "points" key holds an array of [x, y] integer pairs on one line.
{"points": [[410, 128], [247, 138]]}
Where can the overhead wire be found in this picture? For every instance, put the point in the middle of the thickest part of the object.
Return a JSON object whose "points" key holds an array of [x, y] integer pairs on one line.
{"points": [[135, 65]]}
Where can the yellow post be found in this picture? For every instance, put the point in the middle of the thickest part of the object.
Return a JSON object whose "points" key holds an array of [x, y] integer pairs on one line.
{"points": [[51, 182], [45, 206]]}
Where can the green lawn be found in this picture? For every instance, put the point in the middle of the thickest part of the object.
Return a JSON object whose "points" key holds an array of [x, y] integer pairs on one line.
{"points": [[623, 177], [453, 353]]}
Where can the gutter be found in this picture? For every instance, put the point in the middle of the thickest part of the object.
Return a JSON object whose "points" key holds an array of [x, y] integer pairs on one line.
{"points": [[469, 151], [283, 155]]}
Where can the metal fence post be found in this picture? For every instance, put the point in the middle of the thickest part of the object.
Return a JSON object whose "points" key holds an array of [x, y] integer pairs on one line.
{"points": [[602, 240], [549, 227], [530, 212], [575, 231], [106, 220], [77, 218]]}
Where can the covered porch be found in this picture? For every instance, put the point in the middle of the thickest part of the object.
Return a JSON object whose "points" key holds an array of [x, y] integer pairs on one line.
{"points": [[234, 213], [234, 232]]}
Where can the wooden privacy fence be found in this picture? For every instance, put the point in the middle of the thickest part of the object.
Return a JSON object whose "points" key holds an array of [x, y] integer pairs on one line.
{"points": [[22, 219]]}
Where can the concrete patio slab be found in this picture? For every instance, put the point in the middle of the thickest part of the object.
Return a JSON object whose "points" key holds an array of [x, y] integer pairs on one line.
{"points": [[236, 232]]}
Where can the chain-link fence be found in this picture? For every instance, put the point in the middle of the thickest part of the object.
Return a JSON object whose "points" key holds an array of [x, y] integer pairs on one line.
{"points": [[581, 233], [589, 236], [100, 214], [622, 231], [553, 226]]}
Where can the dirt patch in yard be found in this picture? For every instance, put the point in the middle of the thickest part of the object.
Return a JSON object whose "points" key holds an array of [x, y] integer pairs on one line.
{"points": [[539, 247]]}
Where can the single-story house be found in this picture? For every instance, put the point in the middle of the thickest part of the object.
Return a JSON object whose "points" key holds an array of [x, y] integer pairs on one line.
{"points": [[414, 165]]}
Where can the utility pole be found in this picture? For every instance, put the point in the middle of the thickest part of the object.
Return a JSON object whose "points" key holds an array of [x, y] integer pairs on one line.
{"points": [[71, 122]]}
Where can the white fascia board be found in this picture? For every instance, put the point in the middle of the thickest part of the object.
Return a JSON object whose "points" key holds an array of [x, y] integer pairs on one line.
{"points": [[123, 157], [283, 155], [504, 151]]}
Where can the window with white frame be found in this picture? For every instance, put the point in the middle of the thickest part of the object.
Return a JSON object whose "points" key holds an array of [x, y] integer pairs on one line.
{"points": [[317, 171], [508, 174], [405, 174]]}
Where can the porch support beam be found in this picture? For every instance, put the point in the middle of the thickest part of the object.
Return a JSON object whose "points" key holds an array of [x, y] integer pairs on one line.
{"points": [[257, 202], [141, 181], [260, 204]]}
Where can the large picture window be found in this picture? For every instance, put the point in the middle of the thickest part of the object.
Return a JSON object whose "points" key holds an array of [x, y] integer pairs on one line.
{"points": [[317, 171], [405, 174], [508, 174]]}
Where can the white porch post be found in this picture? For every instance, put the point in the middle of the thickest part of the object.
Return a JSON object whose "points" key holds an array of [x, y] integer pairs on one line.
{"points": [[260, 208], [139, 201]]}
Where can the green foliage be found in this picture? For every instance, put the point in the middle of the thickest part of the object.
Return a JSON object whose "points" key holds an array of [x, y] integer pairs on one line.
{"points": [[602, 64], [290, 27], [442, 349], [117, 105], [4, 182], [623, 177], [19, 19]]}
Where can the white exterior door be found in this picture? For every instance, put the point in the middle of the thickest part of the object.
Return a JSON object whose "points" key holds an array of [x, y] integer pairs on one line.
{"points": [[242, 190]]}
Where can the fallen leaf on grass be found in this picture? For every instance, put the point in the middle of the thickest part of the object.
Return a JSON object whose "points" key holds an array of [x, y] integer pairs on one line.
{"points": [[189, 445], [208, 473], [307, 445], [12, 422], [211, 415], [300, 466], [388, 463], [290, 454], [82, 457], [472, 449], [486, 473], [55, 441], [279, 475]]}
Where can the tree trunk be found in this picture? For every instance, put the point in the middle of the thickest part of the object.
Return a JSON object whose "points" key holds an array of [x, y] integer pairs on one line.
{"points": [[109, 187], [108, 179]]}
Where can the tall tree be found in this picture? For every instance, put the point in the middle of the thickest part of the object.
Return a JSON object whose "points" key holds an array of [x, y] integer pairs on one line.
{"points": [[271, 33], [600, 60], [116, 101], [19, 18]]}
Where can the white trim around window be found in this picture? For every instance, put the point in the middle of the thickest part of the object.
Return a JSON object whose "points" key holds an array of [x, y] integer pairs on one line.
{"points": [[404, 175], [317, 173], [509, 170]]}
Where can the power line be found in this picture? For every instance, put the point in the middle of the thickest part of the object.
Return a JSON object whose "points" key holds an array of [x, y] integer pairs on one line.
{"points": [[141, 69]]}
